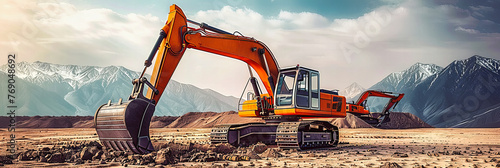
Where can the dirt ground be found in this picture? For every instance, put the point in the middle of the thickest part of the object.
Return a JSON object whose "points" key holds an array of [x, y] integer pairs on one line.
{"points": [[365, 147]]}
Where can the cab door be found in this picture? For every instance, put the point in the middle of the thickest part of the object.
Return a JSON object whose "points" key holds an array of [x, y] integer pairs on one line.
{"points": [[308, 90], [303, 90]]}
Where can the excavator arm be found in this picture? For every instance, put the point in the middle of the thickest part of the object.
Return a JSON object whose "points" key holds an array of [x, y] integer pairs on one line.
{"points": [[374, 93], [392, 103], [394, 99], [359, 110]]}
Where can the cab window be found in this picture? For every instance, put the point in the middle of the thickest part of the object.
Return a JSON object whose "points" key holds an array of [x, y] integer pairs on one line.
{"points": [[302, 89]]}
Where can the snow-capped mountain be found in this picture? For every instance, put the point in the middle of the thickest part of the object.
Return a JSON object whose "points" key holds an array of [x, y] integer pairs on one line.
{"points": [[352, 91], [85, 88], [466, 93], [402, 82], [32, 99], [407, 79]]}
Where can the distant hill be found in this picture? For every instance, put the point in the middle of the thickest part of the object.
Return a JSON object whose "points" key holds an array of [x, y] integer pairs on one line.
{"points": [[71, 121], [466, 93], [68, 90], [398, 120], [210, 119], [202, 120], [352, 91]]}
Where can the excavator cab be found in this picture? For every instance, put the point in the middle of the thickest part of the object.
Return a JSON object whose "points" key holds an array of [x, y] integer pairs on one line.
{"points": [[298, 93], [298, 87]]}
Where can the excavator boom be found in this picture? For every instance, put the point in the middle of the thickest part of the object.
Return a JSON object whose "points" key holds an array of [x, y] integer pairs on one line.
{"points": [[179, 37]]}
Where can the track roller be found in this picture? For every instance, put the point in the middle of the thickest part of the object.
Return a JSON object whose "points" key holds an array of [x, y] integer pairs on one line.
{"points": [[306, 134]]}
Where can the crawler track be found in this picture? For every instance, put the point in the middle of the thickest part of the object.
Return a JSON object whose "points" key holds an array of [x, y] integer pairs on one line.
{"points": [[287, 135], [244, 134], [306, 134]]}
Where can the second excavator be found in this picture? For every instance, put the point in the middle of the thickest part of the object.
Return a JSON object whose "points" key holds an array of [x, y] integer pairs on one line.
{"points": [[360, 107], [290, 94]]}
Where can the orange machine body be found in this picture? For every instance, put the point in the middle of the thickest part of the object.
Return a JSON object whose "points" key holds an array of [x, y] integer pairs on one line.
{"points": [[359, 106], [332, 106], [251, 108], [353, 108]]}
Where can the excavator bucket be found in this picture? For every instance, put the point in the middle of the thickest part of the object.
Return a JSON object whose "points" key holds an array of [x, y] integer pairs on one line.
{"points": [[124, 126]]}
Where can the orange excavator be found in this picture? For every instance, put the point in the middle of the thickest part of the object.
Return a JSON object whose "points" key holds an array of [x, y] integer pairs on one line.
{"points": [[292, 93], [360, 108]]}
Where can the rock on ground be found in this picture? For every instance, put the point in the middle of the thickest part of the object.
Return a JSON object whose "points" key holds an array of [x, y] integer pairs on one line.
{"points": [[164, 157], [271, 152], [390, 165]]}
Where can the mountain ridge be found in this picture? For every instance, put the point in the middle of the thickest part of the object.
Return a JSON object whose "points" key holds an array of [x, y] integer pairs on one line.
{"points": [[460, 91], [465, 93], [87, 87], [446, 97], [352, 91]]}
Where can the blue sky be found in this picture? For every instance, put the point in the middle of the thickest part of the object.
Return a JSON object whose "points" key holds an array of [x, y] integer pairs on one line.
{"points": [[346, 40], [328, 8]]}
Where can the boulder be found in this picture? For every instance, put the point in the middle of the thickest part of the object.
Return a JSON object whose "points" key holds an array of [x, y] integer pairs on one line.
{"points": [[93, 150], [56, 158], [97, 155], [164, 157], [43, 159], [271, 152], [390, 165], [67, 155], [252, 154], [24, 156], [85, 154], [224, 148], [259, 148], [5, 159]]}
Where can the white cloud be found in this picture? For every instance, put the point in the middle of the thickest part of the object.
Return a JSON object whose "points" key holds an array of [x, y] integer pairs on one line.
{"points": [[303, 20], [387, 39], [471, 31], [61, 33]]}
